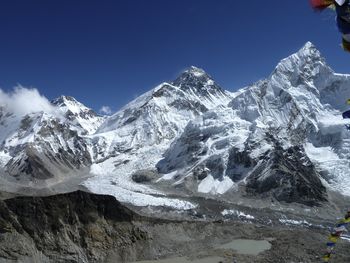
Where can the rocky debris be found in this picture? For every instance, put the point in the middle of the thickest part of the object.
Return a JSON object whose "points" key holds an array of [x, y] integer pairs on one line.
{"points": [[144, 176]]}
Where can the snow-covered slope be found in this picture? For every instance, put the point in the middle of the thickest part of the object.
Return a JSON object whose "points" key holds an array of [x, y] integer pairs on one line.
{"points": [[282, 137]]}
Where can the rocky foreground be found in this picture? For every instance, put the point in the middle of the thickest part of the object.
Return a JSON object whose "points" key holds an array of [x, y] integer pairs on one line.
{"points": [[84, 227]]}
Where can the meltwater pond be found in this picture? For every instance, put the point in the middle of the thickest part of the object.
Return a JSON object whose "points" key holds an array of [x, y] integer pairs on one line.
{"points": [[239, 246], [185, 260], [247, 246]]}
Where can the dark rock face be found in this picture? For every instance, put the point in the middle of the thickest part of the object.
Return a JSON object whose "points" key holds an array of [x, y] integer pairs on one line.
{"points": [[74, 227], [239, 163], [185, 151], [287, 175], [216, 165], [193, 106]]}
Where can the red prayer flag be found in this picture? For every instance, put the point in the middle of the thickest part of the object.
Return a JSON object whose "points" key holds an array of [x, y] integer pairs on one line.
{"points": [[320, 4]]}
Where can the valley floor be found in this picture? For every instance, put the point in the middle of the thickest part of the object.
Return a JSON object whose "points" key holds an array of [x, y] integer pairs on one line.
{"points": [[83, 227]]}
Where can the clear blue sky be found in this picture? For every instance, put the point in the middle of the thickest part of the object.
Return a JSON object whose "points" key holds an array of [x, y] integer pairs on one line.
{"points": [[106, 52]]}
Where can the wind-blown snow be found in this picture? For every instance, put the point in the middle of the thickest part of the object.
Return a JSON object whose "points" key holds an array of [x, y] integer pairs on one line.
{"points": [[21, 101]]}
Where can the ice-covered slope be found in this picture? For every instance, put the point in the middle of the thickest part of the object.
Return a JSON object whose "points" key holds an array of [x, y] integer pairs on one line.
{"points": [[269, 136]]}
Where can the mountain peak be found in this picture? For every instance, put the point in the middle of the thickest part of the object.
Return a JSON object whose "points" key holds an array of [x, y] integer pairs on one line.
{"points": [[308, 60], [310, 50], [194, 77], [64, 100], [309, 45], [78, 113], [197, 72]]}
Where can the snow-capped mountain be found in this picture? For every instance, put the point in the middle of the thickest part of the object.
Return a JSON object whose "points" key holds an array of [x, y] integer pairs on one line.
{"points": [[162, 113], [40, 149], [266, 136], [282, 137], [136, 137], [78, 114]]}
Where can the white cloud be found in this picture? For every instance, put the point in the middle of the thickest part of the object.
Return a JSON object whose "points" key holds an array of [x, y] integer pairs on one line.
{"points": [[106, 110], [22, 101]]}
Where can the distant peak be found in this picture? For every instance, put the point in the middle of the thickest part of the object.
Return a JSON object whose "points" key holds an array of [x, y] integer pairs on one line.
{"points": [[197, 80], [63, 99]]}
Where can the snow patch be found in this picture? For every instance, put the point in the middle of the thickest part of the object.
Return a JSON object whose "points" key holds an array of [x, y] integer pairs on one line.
{"points": [[167, 177], [215, 186], [294, 222], [237, 213]]}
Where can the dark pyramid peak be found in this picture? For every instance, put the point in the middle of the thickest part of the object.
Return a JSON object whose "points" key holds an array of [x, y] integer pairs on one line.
{"points": [[190, 76], [197, 80], [196, 72]]}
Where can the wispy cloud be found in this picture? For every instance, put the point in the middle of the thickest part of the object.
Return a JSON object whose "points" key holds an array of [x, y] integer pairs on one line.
{"points": [[106, 110], [22, 101]]}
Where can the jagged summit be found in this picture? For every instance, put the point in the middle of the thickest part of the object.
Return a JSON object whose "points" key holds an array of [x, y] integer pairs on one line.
{"points": [[305, 62], [310, 52], [195, 71], [71, 104], [309, 46], [63, 100], [195, 78]]}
